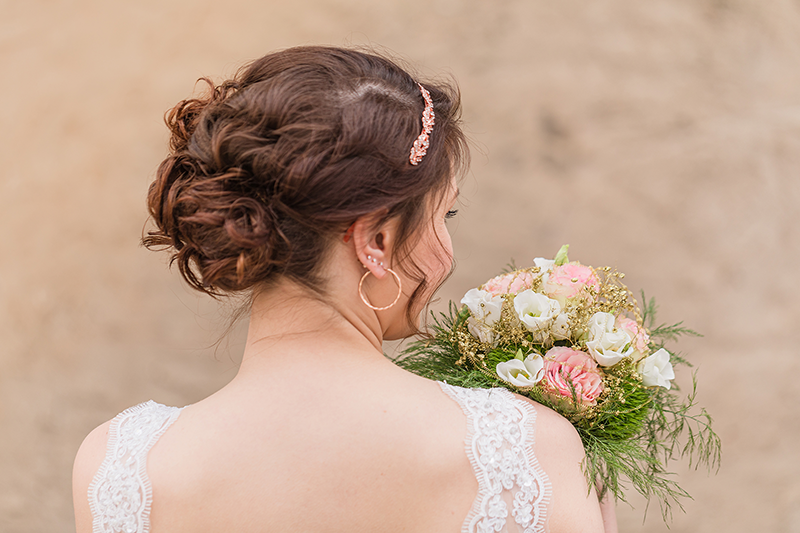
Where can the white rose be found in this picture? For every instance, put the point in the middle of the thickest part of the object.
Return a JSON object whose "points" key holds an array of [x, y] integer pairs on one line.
{"points": [[607, 344], [656, 370], [526, 373], [483, 305], [481, 331], [536, 310], [560, 327]]}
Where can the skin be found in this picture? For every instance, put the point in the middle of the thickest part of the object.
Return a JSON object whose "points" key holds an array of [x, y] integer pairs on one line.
{"points": [[318, 431]]}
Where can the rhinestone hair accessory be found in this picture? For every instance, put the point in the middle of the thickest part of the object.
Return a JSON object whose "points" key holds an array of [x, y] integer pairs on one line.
{"points": [[420, 147]]}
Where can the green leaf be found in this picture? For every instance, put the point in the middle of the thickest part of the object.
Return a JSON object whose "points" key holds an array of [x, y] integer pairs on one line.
{"points": [[561, 257]]}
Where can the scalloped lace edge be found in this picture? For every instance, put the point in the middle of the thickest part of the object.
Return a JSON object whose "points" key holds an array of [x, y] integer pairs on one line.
{"points": [[143, 513], [543, 499]]}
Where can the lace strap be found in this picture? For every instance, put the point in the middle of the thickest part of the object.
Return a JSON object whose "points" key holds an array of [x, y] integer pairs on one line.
{"points": [[500, 446], [120, 494]]}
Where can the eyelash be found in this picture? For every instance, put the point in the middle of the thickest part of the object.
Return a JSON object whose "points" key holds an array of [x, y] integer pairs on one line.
{"points": [[452, 213]]}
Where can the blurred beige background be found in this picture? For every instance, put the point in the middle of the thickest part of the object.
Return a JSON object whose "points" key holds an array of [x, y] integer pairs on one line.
{"points": [[659, 137]]}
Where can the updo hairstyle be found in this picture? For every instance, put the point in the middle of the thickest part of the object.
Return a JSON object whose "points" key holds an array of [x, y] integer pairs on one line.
{"points": [[268, 168]]}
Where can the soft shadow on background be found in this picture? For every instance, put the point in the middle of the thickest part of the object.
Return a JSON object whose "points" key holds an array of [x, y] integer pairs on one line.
{"points": [[661, 138]]}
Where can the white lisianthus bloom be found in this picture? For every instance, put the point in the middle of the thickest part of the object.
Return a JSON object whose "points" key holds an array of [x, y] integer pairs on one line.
{"points": [[545, 265], [525, 373], [481, 331], [483, 305], [656, 370], [536, 310], [560, 328], [607, 344]]}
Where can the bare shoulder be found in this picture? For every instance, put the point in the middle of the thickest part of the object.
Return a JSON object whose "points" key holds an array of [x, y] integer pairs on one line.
{"points": [[87, 462], [556, 433], [559, 450]]}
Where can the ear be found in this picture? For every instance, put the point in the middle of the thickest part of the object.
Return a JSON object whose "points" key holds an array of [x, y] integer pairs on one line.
{"points": [[374, 242]]}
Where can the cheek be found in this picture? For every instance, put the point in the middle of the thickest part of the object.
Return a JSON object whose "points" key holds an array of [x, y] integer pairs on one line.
{"points": [[433, 254], [440, 253], [447, 243]]}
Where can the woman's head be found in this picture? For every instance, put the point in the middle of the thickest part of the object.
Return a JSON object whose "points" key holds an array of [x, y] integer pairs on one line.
{"points": [[270, 168]]}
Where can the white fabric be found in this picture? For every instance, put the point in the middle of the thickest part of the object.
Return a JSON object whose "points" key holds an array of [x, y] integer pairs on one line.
{"points": [[120, 494], [513, 491], [499, 444]]}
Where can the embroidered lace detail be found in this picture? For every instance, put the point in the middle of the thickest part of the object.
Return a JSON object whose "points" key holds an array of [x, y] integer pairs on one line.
{"points": [[120, 494], [499, 444]]}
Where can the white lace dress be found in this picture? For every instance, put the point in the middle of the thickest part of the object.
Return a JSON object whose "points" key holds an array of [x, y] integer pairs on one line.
{"points": [[513, 491]]}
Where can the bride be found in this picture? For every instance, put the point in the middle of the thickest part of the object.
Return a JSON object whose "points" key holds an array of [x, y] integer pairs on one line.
{"points": [[318, 182]]}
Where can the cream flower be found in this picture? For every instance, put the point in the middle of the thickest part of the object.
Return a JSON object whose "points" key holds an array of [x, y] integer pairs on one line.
{"points": [[608, 344], [536, 311], [560, 328], [656, 370], [525, 373], [545, 265], [481, 331], [483, 305]]}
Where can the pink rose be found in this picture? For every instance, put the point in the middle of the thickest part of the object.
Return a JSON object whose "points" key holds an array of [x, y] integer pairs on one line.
{"points": [[510, 283], [639, 336], [568, 280], [564, 365]]}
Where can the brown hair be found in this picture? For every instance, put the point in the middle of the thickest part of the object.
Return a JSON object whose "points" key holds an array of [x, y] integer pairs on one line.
{"points": [[266, 168]]}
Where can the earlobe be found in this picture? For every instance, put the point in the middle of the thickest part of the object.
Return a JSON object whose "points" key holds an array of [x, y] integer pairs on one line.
{"points": [[375, 266], [396, 299]]}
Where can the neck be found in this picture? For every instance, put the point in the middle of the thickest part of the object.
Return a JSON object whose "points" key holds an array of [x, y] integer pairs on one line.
{"points": [[289, 317]]}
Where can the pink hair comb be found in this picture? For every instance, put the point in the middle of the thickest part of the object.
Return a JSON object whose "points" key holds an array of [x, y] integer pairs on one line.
{"points": [[420, 147]]}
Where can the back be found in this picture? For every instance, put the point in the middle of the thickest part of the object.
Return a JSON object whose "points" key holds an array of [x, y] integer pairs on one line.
{"points": [[334, 460], [337, 460]]}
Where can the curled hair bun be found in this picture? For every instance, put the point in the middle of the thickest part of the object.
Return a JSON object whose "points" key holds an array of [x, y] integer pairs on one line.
{"points": [[266, 168], [182, 119], [223, 241]]}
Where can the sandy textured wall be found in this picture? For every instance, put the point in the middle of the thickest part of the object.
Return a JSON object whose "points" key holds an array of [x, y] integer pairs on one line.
{"points": [[660, 137]]}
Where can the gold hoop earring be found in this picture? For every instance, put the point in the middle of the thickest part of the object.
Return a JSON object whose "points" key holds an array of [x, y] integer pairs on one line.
{"points": [[364, 298]]}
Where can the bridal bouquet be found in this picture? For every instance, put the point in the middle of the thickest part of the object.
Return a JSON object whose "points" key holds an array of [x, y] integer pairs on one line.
{"points": [[573, 338]]}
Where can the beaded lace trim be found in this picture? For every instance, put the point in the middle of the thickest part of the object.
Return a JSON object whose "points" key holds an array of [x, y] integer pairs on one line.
{"points": [[120, 495], [499, 444]]}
